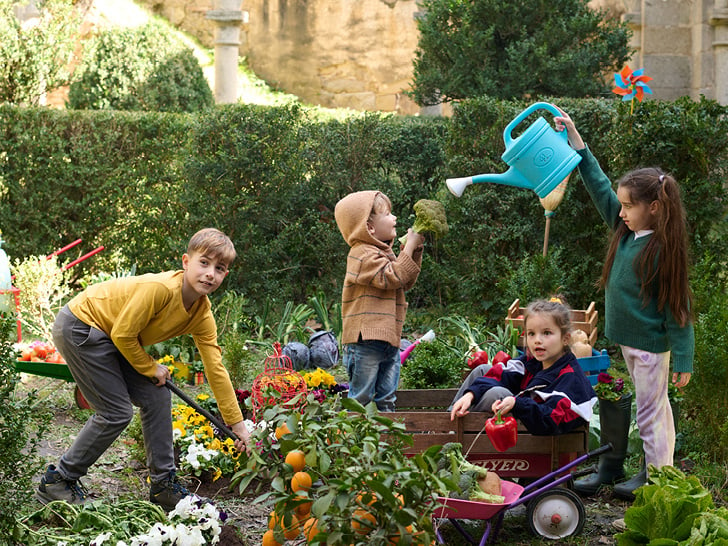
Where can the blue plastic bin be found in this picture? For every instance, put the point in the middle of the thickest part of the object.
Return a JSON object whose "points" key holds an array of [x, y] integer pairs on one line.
{"points": [[594, 365]]}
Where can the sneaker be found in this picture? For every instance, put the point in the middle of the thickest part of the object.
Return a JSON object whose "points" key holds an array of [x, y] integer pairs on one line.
{"points": [[53, 487], [167, 492]]}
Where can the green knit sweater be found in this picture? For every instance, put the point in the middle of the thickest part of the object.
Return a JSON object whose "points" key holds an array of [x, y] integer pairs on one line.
{"points": [[628, 321]]}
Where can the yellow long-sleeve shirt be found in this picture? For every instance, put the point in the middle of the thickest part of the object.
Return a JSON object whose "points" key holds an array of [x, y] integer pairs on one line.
{"points": [[147, 309]]}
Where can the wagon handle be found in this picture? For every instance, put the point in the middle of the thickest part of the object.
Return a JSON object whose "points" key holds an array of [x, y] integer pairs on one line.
{"points": [[551, 480]]}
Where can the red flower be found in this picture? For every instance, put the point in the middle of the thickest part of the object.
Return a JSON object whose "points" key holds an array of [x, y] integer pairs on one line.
{"points": [[604, 378]]}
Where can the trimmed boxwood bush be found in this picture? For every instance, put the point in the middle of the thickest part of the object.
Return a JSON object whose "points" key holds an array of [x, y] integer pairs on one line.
{"points": [[141, 183], [145, 68]]}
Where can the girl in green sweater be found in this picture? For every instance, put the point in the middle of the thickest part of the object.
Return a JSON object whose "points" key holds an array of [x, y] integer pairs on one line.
{"points": [[647, 296]]}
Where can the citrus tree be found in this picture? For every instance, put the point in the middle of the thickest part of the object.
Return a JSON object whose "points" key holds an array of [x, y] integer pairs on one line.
{"points": [[471, 48], [336, 472]]}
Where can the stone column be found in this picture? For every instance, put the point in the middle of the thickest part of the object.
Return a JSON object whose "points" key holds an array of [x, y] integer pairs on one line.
{"points": [[634, 17], [227, 17], [719, 21]]}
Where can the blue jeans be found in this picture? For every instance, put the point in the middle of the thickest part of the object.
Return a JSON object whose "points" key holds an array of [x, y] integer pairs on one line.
{"points": [[112, 387], [373, 368]]}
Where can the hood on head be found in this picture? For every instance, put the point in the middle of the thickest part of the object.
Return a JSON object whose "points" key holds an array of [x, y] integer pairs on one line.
{"points": [[352, 213]]}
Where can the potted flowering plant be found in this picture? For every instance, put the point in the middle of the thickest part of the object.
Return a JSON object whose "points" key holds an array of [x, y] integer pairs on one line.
{"points": [[615, 416], [610, 388]]}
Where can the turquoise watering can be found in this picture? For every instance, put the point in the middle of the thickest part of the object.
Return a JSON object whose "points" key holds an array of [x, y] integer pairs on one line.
{"points": [[539, 159]]}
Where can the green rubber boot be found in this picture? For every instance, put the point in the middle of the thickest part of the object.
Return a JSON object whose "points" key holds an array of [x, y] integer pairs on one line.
{"points": [[625, 490], [614, 421]]}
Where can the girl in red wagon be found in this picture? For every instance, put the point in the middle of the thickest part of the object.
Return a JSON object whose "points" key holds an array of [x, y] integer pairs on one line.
{"points": [[545, 389]]}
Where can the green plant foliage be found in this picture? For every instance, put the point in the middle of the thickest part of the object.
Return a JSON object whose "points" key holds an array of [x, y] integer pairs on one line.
{"points": [[432, 365], [35, 55], [515, 49], [22, 427], [357, 457], [665, 508], [43, 286], [144, 68], [703, 401], [270, 177]]}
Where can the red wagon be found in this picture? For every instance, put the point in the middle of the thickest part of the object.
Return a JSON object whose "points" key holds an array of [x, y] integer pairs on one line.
{"points": [[542, 461]]}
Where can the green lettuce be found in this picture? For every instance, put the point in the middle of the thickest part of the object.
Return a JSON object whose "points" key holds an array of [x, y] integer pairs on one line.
{"points": [[664, 509]]}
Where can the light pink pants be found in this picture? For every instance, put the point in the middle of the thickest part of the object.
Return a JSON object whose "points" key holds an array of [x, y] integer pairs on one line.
{"points": [[650, 373]]}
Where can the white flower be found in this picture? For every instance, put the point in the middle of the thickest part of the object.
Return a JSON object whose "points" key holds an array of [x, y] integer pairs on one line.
{"points": [[189, 536], [99, 540], [251, 426], [195, 451], [185, 507]]}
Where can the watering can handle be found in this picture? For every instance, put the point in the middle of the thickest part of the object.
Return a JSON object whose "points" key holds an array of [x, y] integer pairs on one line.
{"points": [[523, 115]]}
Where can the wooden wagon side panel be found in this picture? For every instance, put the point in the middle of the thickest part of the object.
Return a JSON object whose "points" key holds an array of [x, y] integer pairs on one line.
{"points": [[532, 456]]}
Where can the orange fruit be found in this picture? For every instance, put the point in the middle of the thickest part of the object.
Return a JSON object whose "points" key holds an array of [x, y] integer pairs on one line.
{"points": [[394, 539], [282, 430], [304, 508], [301, 481], [363, 522], [367, 499], [269, 539], [297, 459], [310, 529], [293, 530]]}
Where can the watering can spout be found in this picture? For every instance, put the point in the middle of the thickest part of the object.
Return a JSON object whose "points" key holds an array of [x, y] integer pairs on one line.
{"points": [[511, 178]]}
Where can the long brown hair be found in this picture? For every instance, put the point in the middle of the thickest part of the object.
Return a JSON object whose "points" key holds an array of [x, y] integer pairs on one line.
{"points": [[668, 246]]}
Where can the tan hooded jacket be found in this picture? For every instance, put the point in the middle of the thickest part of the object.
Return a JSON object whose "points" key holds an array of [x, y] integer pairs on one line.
{"points": [[373, 305]]}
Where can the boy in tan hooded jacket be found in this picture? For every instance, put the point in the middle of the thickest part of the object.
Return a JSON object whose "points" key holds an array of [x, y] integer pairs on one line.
{"points": [[373, 304]]}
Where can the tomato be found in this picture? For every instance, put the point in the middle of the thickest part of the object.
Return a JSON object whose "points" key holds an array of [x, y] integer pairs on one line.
{"points": [[40, 350], [26, 355]]}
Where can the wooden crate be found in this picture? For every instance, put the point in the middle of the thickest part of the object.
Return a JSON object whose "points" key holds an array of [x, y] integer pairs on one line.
{"points": [[580, 320], [424, 413]]}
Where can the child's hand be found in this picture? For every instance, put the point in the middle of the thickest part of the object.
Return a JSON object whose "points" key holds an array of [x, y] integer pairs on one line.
{"points": [[161, 375], [503, 406], [565, 122], [460, 407], [241, 431], [414, 244], [681, 379]]}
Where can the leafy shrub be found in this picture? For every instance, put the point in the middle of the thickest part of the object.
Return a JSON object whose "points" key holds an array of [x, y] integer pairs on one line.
{"points": [[144, 68], [705, 404], [22, 427], [515, 49], [35, 59], [432, 365], [43, 286]]}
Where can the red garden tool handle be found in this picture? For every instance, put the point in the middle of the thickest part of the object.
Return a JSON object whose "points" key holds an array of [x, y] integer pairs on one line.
{"points": [[222, 427]]}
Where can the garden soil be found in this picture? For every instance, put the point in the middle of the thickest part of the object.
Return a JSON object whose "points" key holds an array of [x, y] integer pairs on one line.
{"points": [[120, 475]]}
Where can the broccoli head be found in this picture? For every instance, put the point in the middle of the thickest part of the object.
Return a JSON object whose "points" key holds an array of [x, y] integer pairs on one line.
{"points": [[429, 218], [470, 478]]}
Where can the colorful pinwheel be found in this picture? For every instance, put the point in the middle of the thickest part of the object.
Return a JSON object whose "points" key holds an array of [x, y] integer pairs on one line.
{"points": [[631, 84]]}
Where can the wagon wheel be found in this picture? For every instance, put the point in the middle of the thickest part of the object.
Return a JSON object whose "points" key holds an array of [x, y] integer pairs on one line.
{"points": [[81, 402], [556, 514]]}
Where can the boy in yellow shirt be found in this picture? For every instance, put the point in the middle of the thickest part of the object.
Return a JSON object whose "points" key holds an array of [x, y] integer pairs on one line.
{"points": [[102, 332]]}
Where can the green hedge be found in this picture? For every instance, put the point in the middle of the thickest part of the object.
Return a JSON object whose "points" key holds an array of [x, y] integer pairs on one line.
{"points": [[141, 183]]}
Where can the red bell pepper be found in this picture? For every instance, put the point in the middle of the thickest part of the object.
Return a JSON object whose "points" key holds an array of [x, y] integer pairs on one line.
{"points": [[501, 357], [477, 358], [503, 432]]}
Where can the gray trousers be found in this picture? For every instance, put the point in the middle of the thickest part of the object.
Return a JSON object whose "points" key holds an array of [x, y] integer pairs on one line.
{"points": [[491, 395], [112, 387]]}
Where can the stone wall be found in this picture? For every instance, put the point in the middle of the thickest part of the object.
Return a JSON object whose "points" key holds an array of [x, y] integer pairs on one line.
{"points": [[358, 53]]}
